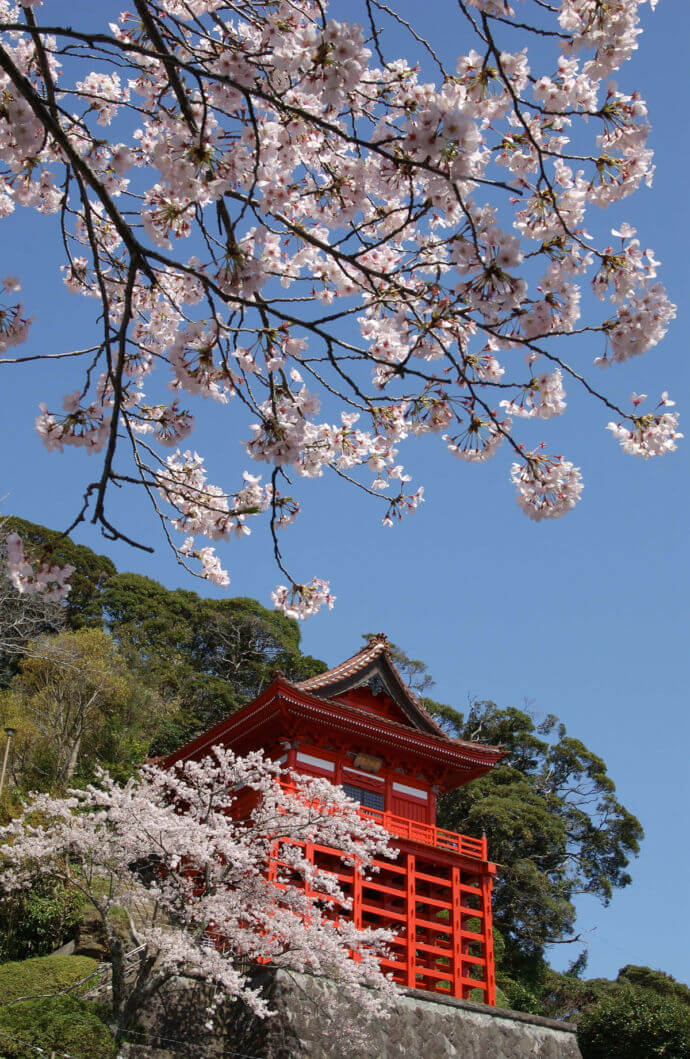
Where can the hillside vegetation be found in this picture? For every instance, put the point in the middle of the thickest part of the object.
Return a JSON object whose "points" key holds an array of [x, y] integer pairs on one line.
{"points": [[127, 669]]}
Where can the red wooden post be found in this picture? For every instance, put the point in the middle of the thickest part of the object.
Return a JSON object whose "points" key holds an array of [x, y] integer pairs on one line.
{"points": [[273, 861], [411, 921], [356, 896], [487, 928], [309, 851], [456, 920]]}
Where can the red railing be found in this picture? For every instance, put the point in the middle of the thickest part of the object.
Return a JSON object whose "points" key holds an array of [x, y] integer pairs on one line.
{"points": [[401, 827], [439, 915], [428, 834]]}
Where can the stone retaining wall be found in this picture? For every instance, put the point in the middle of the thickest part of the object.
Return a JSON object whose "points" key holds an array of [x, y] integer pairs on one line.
{"points": [[310, 1011]]}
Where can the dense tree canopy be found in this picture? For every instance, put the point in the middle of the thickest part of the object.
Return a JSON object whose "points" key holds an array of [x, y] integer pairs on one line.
{"points": [[208, 655], [554, 823], [201, 658], [75, 704], [91, 571], [629, 1022]]}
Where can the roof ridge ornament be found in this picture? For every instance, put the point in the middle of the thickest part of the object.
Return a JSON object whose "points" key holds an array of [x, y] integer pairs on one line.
{"points": [[376, 685]]}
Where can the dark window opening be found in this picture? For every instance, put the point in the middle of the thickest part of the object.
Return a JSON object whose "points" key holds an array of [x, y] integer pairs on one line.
{"points": [[371, 799]]}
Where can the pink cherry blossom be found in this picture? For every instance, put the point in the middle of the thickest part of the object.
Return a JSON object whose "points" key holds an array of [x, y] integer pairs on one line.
{"points": [[173, 866], [547, 486], [31, 578], [338, 254]]}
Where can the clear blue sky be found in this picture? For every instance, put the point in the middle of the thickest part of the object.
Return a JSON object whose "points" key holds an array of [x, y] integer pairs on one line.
{"points": [[586, 618]]}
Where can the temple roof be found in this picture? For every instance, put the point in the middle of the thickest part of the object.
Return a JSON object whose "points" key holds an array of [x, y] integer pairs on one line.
{"points": [[364, 697], [373, 666]]}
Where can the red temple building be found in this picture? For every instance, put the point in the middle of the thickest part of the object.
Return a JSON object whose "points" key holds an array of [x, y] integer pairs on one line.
{"points": [[360, 727]]}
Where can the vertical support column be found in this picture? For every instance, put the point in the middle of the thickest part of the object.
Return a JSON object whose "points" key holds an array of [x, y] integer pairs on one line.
{"points": [[431, 813], [309, 853], [388, 793], [411, 922], [357, 903], [272, 861], [357, 896], [487, 930], [456, 920]]}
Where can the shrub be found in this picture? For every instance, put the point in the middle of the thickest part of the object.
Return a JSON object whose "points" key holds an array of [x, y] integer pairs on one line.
{"points": [[36, 921], [62, 1023], [44, 974], [65, 1023], [634, 1023]]}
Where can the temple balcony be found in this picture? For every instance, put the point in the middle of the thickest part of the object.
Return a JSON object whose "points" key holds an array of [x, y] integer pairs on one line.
{"points": [[399, 827], [428, 834]]}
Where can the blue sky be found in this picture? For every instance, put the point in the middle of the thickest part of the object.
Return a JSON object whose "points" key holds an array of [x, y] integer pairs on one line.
{"points": [[586, 618]]}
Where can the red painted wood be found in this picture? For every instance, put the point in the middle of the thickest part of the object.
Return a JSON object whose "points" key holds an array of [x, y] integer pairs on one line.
{"points": [[410, 809], [411, 911], [490, 974]]}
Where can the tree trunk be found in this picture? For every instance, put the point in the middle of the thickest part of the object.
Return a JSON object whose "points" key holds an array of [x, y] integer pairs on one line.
{"points": [[73, 757]]}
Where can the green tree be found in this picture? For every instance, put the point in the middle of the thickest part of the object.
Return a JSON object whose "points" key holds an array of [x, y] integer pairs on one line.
{"points": [[205, 657], [59, 1020], [553, 821], [75, 704], [658, 981], [630, 1022], [37, 920], [208, 655]]}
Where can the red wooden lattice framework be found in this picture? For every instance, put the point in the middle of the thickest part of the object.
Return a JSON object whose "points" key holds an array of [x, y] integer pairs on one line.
{"points": [[440, 915], [435, 894]]}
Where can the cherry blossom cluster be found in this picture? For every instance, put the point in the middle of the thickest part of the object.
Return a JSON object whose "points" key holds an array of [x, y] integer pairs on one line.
{"points": [[14, 326], [300, 601], [339, 250], [29, 578], [543, 398], [652, 434], [200, 884], [546, 486]]}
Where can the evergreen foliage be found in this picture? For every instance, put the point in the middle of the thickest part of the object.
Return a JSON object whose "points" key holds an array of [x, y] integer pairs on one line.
{"points": [[46, 974], [552, 818], [661, 983], [208, 655], [631, 1022], [76, 705], [58, 1018], [38, 920], [91, 571], [62, 1023], [199, 658]]}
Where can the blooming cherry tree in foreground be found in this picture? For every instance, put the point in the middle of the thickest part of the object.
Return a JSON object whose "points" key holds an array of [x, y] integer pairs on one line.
{"points": [[193, 884], [280, 219]]}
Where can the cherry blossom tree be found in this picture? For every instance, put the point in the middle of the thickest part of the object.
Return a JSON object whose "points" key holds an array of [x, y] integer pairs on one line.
{"points": [[201, 892], [277, 216]]}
